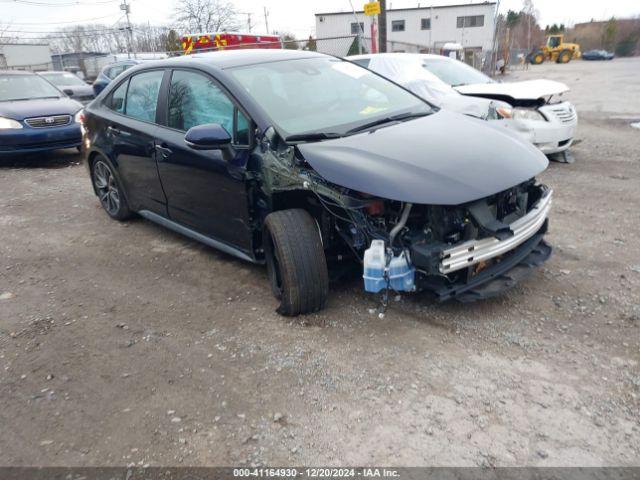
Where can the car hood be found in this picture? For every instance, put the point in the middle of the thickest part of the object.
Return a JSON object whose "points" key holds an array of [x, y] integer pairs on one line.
{"points": [[39, 108], [442, 159], [79, 90], [527, 90]]}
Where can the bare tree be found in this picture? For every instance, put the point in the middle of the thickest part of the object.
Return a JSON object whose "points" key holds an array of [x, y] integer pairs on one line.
{"points": [[206, 16], [5, 35]]}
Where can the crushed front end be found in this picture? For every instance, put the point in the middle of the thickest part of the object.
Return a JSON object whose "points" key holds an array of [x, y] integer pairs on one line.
{"points": [[472, 250], [467, 252]]}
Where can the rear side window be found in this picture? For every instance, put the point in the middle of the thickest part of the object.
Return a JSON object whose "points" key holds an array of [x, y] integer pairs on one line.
{"points": [[195, 99], [116, 100], [363, 62], [142, 96]]}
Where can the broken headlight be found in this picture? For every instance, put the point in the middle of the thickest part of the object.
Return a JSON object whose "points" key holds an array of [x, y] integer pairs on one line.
{"points": [[527, 114]]}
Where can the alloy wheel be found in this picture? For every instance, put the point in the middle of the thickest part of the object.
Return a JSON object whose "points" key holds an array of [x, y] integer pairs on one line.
{"points": [[107, 187]]}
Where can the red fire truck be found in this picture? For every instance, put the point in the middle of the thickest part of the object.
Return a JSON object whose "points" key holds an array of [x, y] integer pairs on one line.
{"points": [[209, 42]]}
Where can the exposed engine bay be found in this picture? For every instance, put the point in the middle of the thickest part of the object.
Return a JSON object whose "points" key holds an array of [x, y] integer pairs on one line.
{"points": [[404, 246]]}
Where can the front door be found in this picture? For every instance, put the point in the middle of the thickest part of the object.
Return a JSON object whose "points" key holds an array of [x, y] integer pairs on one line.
{"points": [[204, 191]]}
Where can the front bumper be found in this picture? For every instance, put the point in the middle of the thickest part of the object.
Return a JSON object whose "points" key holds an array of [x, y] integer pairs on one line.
{"points": [[34, 140], [554, 135], [485, 267], [473, 252], [501, 276]]}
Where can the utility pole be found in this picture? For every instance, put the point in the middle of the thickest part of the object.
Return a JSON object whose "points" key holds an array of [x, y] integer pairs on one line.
{"points": [[382, 27], [430, 28], [127, 10], [360, 28], [249, 21], [266, 19]]}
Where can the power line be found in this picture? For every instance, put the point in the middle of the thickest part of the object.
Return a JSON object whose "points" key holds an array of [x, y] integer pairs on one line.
{"points": [[65, 4], [64, 23]]}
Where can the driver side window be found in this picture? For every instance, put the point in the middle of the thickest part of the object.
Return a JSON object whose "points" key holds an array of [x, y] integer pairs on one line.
{"points": [[195, 99]]}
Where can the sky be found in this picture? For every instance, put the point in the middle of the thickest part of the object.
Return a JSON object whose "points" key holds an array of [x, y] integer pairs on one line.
{"points": [[294, 16]]}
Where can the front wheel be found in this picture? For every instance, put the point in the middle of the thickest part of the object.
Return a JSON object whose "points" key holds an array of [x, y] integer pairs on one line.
{"points": [[537, 58], [296, 262], [565, 56], [109, 191]]}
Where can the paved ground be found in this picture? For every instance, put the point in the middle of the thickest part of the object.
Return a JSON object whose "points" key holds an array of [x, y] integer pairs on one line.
{"points": [[129, 344]]}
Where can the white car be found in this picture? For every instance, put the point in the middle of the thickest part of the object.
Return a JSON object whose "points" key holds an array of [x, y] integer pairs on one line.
{"points": [[540, 114], [407, 70]]}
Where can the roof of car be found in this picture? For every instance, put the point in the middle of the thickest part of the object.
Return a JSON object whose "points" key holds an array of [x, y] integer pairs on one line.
{"points": [[236, 58], [399, 55], [15, 72]]}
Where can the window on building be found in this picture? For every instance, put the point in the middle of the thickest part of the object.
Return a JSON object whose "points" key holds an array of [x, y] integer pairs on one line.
{"points": [[397, 25], [357, 28], [470, 21], [425, 24]]}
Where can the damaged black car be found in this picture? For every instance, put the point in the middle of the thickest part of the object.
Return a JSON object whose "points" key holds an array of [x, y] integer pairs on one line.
{"points": [[304, 162]]}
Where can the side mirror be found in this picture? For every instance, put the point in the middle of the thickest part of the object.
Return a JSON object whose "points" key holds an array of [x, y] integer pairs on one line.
{"points": [[210, 136], [68, 92]]}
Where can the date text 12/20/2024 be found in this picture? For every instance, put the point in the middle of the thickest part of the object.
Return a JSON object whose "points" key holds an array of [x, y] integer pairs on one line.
{"points": [[316, 472]]}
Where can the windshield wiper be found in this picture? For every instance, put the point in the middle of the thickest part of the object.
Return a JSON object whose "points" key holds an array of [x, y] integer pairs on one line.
{"points": [[310, 136], [389, 119]]}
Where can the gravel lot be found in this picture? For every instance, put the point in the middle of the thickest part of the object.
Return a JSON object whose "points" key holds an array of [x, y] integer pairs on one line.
{"points": [[128, 344]]}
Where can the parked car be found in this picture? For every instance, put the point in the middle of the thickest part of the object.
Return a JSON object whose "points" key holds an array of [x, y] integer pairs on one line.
{"points": [[111, 71], [71, 85], [35, 116], [598, 55], [407, 70], [540, 113], [304, 161]]}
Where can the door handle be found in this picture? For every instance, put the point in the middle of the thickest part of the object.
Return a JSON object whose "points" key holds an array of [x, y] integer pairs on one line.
{"points": [[117, 131], [164, 151]]}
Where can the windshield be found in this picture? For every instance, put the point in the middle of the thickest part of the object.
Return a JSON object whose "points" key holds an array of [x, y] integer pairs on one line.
{"points": [[454, 72], [323, 95], [26, 87], [63, 79]]}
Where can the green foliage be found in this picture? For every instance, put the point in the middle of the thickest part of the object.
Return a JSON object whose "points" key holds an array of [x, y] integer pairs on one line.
{"points": [[311, 44], [289, 41], [554, 29], [627, 46], [610, 32], [513, 18], [354, 50], [171, 42]]}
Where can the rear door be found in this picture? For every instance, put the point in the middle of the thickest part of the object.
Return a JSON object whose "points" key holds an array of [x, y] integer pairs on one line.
{"points": [[204, 191], [130, 133]]}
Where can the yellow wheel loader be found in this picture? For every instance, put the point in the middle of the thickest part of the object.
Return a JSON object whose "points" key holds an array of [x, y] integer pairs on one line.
{"points": [[555, 51]]}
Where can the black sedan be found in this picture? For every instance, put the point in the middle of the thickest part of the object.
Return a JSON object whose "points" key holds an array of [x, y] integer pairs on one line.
{"points": [[597, 55], [35, 116], [70, 84], [307, 162]]}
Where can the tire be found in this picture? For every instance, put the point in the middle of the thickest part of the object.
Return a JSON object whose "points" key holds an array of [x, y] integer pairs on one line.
{"points": [[564, 56], [109, 190], [537, 58], [296, 262]]}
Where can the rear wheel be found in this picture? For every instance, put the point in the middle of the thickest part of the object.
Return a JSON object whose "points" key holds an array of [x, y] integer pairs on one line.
{"points": [[537, 58], [109, 191], [296, 262], [564, 56]]}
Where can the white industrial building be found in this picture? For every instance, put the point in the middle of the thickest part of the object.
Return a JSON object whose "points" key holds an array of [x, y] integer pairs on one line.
{"points": [[429, 28], [25, 56]]}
